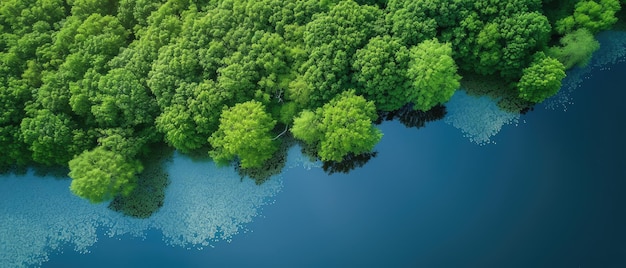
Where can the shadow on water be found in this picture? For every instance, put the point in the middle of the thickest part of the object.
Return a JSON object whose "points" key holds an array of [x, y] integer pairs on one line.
{"points": [[349, 163], [413, 118], [40, 170], [273, 166], [148, 195]]}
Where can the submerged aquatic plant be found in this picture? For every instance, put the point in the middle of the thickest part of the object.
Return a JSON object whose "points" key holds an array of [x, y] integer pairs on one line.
{"points": [[203, 205], [479, 118]]}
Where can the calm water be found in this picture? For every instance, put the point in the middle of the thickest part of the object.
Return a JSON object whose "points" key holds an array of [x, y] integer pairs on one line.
{"points": [[551, 192]]}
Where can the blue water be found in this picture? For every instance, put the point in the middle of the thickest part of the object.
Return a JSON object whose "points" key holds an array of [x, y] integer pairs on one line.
{"points": [[550, 193]]}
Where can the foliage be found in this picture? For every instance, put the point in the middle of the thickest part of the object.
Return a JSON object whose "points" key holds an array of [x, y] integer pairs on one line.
{"points": [[541, 79], [433, 74], [245, 133], [340, 127], [121, 100], [99, 175], [380, 72], [576, 48], [331, 39], [49, 137], [592, 15]]}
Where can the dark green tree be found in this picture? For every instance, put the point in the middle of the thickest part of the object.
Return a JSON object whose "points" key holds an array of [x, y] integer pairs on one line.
{"points": [[331, 40], [121, 100], [381, 73], [403, 24], [49, 136], [592, 15]]}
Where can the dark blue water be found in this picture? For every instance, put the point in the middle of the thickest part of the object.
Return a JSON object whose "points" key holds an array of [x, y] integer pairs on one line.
{"points": [[550, 193]]}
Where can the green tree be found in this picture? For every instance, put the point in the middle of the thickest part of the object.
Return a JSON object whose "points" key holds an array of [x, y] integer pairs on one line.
{"points": [[433, 74], [127, 142], [176, 65], [380, 72], [523, 34], [542, 79], [99, 175], [306, 127], [177, 124], [15, 151], [194, 114], [490, 10], [340, 127], [245, 133], [49, 137], [591, 15], [121, 100], [403, 24], [331, 39], [85, 8]]}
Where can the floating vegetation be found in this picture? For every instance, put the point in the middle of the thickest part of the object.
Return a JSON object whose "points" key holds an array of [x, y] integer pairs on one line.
{"points": [[612, 51], [479, 118], [203, 204]]}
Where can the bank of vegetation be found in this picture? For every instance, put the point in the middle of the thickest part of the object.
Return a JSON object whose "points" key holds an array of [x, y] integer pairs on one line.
{"points": [[94, 84]]}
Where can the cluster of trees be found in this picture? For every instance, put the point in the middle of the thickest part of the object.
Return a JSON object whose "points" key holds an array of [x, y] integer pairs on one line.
{"points": [[92, 83]]}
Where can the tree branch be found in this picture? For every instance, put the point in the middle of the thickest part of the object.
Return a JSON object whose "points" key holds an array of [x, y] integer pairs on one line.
{"points": [[284, 131]]}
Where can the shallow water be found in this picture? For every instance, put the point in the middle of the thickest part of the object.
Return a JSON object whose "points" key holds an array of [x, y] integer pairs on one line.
{"points": [[550, 192]]}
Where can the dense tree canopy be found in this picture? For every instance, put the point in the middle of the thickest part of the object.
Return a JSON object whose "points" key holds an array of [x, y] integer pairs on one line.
{"points": [[593, 15], [85, 80], [99, 175], [381, 72], [432, 73], [541, 79], [244, 133], [342, 126]]}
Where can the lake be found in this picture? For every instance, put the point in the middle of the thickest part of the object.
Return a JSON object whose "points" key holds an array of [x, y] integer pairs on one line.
{"points": [[481, 188]]}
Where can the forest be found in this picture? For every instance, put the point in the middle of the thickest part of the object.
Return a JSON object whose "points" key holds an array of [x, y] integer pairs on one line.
{"points": [[96, 85]]}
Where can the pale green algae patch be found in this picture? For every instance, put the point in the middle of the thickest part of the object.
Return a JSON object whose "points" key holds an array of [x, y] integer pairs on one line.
{"points": [[203, 204]]}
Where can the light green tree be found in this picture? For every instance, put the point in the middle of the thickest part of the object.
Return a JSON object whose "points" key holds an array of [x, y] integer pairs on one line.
{"points": [[99, 175], [306, 127], [340, 127], [244, 132], [433, 74], [542, 79]]}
